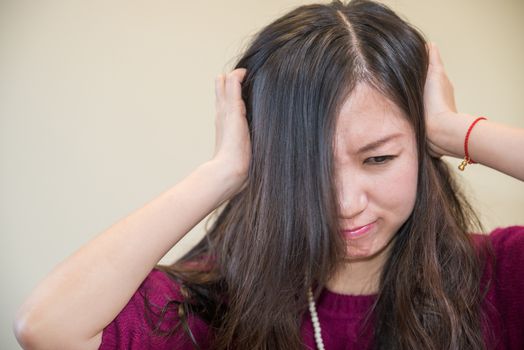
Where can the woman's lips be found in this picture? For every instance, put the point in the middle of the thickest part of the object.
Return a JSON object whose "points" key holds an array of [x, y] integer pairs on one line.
{"points": [[359, 232]]}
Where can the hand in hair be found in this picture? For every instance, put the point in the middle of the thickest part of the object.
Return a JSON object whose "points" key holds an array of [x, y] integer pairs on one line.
{"points": [[119, 259], [439, 98], [491, 144], [232, 142]]}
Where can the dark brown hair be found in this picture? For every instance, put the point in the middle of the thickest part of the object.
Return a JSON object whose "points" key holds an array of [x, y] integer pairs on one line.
{"points": [[279, 235]]}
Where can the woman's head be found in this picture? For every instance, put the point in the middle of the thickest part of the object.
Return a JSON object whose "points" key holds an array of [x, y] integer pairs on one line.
{"points": [[376, 169], [322, 82], [306, 72]]}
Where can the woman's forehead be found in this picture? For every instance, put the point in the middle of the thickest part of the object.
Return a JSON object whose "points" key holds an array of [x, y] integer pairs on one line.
{"points": [[367, 115], [366, 101]]}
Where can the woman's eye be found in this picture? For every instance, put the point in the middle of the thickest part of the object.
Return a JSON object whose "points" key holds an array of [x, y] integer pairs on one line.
{"points": [[379, 159]]}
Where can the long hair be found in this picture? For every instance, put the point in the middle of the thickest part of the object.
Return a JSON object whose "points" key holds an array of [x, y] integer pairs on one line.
{"points": [[248, 277]]}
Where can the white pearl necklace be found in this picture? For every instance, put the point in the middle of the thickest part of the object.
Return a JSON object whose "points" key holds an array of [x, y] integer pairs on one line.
{"points": [[315, 320]]}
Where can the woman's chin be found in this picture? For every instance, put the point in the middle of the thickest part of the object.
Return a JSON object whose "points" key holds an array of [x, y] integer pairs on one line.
{"points": [[354, 256]]}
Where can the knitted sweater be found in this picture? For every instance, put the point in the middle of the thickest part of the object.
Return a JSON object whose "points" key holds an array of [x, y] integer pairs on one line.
{"points": [[340, 315]]}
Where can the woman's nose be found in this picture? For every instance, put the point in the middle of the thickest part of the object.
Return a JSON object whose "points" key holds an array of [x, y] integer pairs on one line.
{"points": [[353, 198]]}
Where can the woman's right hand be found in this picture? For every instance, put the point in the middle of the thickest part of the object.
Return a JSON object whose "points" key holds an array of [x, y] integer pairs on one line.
{"points": [[232, 140], [120, 258]]}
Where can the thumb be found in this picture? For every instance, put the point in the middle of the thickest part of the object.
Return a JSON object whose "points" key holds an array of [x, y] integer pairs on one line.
{"points": [[434, 55]]}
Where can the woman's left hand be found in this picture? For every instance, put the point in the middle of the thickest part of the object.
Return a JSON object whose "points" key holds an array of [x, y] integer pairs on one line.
{"points": [[439, 102], [492, 144]]}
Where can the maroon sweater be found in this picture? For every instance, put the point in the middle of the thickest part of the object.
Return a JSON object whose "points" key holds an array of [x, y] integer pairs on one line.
{"points": [[340, 315]]}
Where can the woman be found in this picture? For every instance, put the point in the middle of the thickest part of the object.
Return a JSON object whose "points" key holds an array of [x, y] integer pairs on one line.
{"points": [[341, 226]]}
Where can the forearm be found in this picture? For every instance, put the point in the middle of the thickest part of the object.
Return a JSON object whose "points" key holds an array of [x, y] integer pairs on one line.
{"points": [[99, 279], [492, 144]]}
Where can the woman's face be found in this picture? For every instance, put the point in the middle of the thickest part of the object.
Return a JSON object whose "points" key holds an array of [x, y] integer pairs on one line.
{"points": [[376, 168]]}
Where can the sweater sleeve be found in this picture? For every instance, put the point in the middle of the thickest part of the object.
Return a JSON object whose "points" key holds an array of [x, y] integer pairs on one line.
{"points": [[133, 328], [508, 246]]}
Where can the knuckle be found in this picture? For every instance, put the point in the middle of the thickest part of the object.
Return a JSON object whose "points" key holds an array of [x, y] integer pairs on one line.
{"points": [[231, 77]]}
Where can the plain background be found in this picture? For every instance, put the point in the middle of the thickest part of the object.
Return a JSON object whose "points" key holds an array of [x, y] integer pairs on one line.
{"points": [[105, 104]]}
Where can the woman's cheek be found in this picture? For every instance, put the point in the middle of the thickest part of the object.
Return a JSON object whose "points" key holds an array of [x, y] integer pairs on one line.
{"points": [[401, 188]]}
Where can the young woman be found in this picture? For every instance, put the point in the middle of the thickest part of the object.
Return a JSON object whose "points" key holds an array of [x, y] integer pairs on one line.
{"points": [[339, 225]]}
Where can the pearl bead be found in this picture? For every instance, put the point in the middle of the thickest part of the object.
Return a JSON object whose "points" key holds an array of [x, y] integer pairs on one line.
{"points": [[316, 322]]}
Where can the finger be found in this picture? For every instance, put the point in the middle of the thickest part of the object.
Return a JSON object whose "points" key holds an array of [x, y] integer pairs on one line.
{"points": [[234, 80], [434, 55], [240, 73], [233, 86], [219, 89]]}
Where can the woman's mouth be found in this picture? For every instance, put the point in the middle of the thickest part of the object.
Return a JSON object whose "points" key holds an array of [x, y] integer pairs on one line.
{"points": [[359, 232]]}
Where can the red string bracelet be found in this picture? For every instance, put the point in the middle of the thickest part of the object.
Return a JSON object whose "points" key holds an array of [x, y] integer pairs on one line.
{"points": [[467, 159]]}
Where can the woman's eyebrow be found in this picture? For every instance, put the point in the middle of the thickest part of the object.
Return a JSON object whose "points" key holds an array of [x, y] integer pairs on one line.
{"points": [[376, 144]]}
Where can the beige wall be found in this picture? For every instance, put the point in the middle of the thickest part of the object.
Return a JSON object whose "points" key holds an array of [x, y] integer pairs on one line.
{"points": [[104, 104]]}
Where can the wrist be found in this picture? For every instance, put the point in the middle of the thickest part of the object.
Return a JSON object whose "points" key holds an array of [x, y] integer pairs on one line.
{"points": [[228, 178], [451, 131]]}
